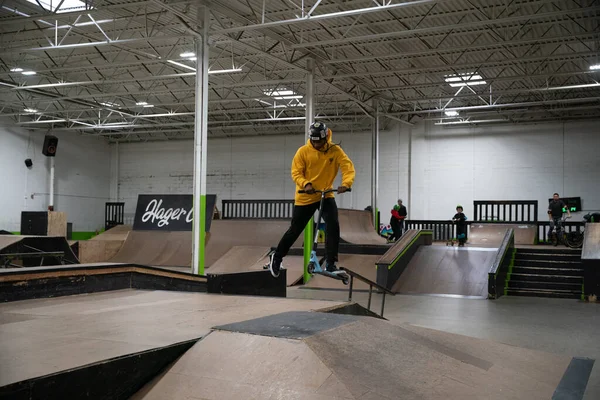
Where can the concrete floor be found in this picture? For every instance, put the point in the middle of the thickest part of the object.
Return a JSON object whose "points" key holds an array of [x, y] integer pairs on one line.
{"points": [[566, 327]]}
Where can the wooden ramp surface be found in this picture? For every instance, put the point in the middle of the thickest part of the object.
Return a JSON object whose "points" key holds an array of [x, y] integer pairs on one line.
{"points": [[591, 243], [294, 266], [74, 331], [493, 234], [118, 232], [447, 270], [174, 249], [356, 227], [323, 357], [156, 248], [226, 234]]}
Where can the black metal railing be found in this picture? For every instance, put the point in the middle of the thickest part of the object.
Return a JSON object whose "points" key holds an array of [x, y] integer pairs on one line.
{"points": [[113, 215], [544, 227], [506, 211], [257, 209], [501, 266], [443, 230]]}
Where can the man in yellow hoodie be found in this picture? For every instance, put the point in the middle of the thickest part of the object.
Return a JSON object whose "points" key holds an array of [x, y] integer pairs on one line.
{"points": [[315, 167]]}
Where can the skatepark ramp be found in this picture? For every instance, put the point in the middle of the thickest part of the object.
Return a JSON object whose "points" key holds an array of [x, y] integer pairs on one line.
{"points": [[302, 355], [492, 235], [35, 251], [590, 256], [104, 246], [356, 227], [393, 263]]}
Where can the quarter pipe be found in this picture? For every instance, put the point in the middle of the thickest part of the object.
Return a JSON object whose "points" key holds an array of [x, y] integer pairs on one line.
{"points": [[356, 227], [439, 269]]}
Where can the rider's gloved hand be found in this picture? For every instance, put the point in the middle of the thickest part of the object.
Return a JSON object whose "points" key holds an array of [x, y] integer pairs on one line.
{"points": [[309, 189], [342, 189]]}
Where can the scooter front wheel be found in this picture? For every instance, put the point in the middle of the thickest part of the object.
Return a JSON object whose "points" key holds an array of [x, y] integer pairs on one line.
{"points": [[311, 267]]}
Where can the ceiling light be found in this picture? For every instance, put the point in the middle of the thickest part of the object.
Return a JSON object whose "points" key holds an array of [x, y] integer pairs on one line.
{"points": [[187, 54], [288, 97], [109, 104], [224, 71], [30, 110], [465, 79], [451, 113], [16, 69], [141, 103], [595, 67], [28, 72], [148, 105]]}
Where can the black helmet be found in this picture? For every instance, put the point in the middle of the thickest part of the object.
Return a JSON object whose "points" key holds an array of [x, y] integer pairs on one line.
{"points": [[318, 131]]}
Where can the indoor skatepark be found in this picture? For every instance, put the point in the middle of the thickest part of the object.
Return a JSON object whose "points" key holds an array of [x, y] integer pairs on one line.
{"points": [[151, 153]]}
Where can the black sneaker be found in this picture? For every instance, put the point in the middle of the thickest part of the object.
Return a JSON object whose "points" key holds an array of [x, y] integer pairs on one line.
{"points": [[275, 265], [332, 269]]}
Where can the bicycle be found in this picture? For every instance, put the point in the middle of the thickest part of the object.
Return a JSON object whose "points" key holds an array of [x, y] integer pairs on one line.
{"points": [[556, 238]]}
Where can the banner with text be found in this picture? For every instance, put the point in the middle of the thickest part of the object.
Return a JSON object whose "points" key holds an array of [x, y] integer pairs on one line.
{"points": [[169, 212]]}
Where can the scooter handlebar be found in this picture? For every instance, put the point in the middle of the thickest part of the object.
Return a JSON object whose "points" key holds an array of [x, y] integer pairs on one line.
{"points": [[323, 191]]}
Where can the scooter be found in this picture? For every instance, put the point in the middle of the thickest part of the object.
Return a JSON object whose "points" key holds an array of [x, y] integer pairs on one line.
{"points": [[314, 265]]}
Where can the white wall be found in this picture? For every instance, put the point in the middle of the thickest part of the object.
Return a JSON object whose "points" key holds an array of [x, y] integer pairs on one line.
{"points": [[82, 177], [449, 166], [246, 168], [504, 162]]}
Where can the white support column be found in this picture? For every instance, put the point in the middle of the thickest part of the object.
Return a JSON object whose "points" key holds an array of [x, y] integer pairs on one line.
{"points": [[409, 194], [200, 144], [310, 114], [117, 170], [51, 199], [375, 164]]}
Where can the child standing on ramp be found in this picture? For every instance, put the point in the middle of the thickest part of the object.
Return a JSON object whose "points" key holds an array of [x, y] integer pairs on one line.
{"points": [[315, 167], [461, 225]]}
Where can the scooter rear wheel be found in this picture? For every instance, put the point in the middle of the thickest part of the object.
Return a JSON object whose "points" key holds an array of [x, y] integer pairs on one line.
{"points": [[311, 267]]}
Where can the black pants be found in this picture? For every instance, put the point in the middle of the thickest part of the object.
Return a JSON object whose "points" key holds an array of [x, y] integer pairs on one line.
{"points": [[397, 226], [300, 218]]}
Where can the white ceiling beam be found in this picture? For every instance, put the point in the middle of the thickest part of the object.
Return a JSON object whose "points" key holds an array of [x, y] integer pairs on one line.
{"points": [[473, 48], [322, 17], [67, 15], [499, 106], [452, 27], [473, 65]]}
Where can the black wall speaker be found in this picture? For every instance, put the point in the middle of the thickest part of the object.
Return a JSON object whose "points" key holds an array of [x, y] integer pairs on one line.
{"points": [[50, 145], [28, 163]]}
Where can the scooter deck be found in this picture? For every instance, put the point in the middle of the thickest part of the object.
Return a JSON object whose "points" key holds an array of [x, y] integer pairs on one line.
{"points": [[339, 277], [342, 276]]}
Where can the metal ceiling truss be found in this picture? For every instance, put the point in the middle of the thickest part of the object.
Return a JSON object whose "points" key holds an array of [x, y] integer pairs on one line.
{"points": [[120, 69]]}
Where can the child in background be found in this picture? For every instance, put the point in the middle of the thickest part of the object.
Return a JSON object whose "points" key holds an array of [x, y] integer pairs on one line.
{"points": [[461, 225]]}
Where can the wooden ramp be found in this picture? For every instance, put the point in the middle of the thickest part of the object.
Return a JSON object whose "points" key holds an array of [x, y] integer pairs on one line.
{"points": [[156, 248], [294, 266], [226, 234], [447, 270], [254, 258], [356, 227], [174, 249], [493, 234], [312, 355]]}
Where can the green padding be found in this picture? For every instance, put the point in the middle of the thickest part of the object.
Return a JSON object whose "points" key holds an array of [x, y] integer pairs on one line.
{"points": [[82, 235], [202, 244], [308, 242], [408, 247]]}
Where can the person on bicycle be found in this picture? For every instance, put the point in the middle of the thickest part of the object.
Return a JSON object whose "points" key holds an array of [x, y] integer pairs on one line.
{"points": [[314, 167], [555, 213]]}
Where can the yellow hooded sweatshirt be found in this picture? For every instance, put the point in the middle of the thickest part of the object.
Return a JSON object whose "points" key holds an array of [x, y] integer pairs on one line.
{"points": [[319, 168]]}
